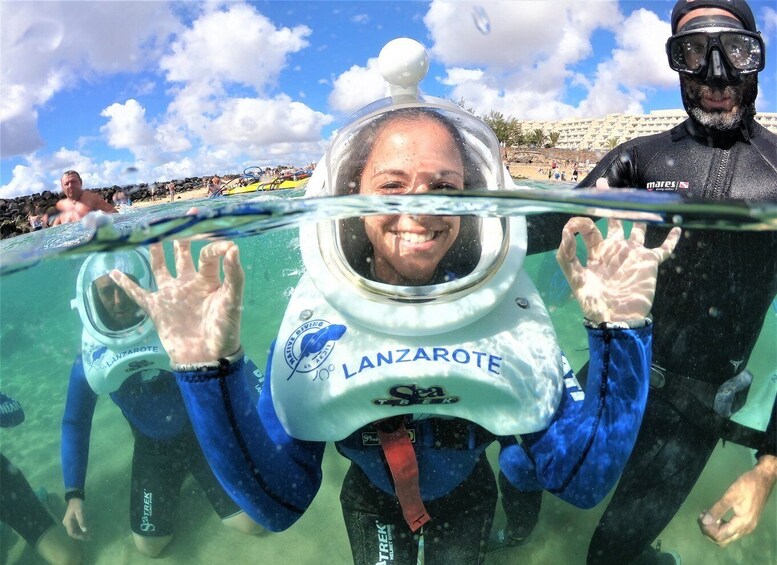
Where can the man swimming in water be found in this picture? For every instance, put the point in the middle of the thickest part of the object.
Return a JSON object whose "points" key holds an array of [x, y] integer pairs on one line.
{"points": [[78, 202], [711, 299]]}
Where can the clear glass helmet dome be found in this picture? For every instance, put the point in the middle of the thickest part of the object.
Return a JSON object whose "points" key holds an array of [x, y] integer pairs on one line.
{"points": [[108, 315], [485, 253]]}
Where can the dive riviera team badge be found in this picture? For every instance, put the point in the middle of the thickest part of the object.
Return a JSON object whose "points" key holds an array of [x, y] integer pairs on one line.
{"points": [[310, 345]]}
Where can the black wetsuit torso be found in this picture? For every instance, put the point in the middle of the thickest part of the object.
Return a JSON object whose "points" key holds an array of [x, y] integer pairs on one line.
{"points": [[711, 300], [712, 296]]}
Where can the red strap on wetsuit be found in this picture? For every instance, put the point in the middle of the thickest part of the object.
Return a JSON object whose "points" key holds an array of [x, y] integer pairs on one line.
{"points": [[400, 456]]}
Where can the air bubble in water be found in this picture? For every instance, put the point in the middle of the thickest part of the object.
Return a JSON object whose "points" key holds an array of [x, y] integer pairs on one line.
{"points": [[44, 35], [480, 17], [677, 219]]}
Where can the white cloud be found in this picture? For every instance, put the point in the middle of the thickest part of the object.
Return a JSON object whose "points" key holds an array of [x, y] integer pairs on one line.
{"points": [[238, 45], [637, 64], [769, 19], [50, 46], [27, 179], [519, 67], [127, 127], [356, 87], [252, 121], [526, 62], [172, 139], [521, 33]]}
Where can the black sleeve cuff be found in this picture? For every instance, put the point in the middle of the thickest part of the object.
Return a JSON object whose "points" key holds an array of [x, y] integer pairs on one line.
{"points": [[75, 493]]}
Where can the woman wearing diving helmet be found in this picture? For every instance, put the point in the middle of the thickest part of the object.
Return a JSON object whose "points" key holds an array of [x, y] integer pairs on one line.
{"points": [[412, 342]]}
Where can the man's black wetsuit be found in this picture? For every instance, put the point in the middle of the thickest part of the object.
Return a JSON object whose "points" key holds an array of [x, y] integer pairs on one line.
{"points": [[711, 300]]}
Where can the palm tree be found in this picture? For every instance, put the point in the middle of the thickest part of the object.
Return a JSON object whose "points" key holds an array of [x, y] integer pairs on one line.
{"points": [[612, 143], [539, 137], [553, 138]]}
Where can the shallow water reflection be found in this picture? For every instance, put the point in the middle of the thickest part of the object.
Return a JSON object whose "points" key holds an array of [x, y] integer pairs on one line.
{"points": [[40, 336]]}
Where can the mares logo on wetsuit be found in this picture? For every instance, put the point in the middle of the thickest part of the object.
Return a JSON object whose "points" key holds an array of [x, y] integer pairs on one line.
{"points": [[668, 185], [310, 345], [407, 395]]}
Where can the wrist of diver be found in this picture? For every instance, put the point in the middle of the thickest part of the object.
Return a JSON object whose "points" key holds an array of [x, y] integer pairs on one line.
{"points": [[220, 365], [77, 493], [618, 325]]}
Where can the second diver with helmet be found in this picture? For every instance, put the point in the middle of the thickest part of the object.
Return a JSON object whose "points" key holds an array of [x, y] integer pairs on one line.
{"points": [[121, 356]]}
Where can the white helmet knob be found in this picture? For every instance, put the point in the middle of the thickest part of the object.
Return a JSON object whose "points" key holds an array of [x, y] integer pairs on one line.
{"points": [[403, 62]]}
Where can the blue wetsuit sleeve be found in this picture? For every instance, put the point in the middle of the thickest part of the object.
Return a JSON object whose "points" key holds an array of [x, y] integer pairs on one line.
{"points": [[581, 454], [270, 475], [77, 427]]}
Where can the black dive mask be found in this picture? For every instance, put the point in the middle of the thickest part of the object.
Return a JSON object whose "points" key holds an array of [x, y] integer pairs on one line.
{"points": [[716, 49]]}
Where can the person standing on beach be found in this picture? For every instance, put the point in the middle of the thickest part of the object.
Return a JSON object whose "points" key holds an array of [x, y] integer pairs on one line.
{"points": [[171, 190], [711, 298], [78, 202], [214, 187]]}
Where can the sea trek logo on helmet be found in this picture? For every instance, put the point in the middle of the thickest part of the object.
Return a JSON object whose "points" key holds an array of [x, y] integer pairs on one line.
{"points": [[411, 394], [310, 345]]}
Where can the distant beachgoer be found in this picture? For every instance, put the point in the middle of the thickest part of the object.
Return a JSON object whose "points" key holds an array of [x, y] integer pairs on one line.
{"points": [[78, 202], [37, 218], [22, 510], [171, 190], [120, 199], [214, 187]]}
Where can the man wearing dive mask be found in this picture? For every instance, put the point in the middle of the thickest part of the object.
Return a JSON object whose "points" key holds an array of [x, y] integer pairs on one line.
{"points": [[718, 61], [711, 300]]}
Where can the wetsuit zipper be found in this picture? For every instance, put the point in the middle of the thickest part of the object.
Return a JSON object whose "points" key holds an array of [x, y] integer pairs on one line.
{"points": [[720, 175]]}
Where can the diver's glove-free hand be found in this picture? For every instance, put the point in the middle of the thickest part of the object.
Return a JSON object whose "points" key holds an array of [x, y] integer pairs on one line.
{"points": [[196, 314], [618, 282]]}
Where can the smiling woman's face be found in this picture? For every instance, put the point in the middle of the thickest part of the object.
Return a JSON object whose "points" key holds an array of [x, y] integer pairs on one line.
{"points": [[411, 158]]}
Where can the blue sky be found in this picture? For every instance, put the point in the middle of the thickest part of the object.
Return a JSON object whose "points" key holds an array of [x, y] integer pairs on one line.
{"points": [[146, 91]]}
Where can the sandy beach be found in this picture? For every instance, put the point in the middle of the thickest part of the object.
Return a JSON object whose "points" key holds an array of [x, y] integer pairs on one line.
{"points": [[517, 170]]}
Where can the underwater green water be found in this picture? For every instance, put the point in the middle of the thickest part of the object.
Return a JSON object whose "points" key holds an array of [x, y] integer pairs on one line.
{"points": [[40, 336]]}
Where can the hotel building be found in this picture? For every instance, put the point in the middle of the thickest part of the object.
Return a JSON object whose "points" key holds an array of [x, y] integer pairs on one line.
{"points": [[595, 133]]}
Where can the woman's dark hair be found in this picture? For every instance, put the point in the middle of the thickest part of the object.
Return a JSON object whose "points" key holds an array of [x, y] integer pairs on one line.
{"points": [[464, 254]]}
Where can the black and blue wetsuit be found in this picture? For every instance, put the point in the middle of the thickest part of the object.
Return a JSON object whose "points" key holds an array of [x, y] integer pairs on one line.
{"points": [[20, 508], [274, 477], [165, 447], [711, 300]]}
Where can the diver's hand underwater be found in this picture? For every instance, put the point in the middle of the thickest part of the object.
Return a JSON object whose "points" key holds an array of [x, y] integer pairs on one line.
{"points": [[196, 314], [618, 282]]}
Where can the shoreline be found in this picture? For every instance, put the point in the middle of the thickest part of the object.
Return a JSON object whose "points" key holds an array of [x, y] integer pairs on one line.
{"points": [[522, 163]]}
